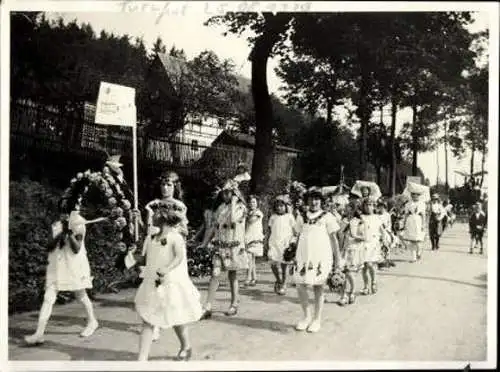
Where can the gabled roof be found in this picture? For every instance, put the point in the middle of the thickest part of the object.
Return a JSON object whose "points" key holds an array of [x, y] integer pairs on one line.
{"points": [[175, 68]]}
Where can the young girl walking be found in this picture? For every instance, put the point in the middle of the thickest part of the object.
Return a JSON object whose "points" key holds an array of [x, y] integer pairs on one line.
{"points": [[254, 238], [167, 298], [352, 251], [227, 236], [317, 251], [373, 230], [282, 231], [68, 269]]}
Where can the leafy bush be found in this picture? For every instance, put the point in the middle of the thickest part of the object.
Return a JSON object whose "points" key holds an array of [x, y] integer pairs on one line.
{"points": [[33, 207]]}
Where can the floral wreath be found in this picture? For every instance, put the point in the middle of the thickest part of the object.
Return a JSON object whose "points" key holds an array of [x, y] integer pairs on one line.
{"points": [[110, 193]]}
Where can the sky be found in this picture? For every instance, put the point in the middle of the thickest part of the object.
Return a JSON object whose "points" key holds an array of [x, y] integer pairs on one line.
{"points": [[183, 27]]}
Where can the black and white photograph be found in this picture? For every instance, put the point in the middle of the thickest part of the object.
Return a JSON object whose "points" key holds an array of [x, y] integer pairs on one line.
{"points": [[267, 183]]}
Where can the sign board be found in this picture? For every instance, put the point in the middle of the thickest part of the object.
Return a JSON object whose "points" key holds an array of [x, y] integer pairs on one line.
{"points": [[412, 179], [116, 105]]}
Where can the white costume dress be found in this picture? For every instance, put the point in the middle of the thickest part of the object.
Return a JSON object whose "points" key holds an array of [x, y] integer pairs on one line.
{"points": [[283, 229], [176, 301], [66, 270], [314, 252], [414, 222], [372, 226], [254, 234]]}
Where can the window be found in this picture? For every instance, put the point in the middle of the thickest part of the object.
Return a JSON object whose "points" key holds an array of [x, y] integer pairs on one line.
{"points": [[194, 145]]}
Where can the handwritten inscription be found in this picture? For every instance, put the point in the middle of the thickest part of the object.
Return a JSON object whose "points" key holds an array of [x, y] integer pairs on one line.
{"points": [[211, 8]]}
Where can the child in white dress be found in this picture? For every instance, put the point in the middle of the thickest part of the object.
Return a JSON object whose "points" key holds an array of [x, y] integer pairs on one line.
{"points": [[282, 231], [351, 251], [414, 226], [254, 238], [167, 298], [317, 251], [372, 254], [68, 269]]}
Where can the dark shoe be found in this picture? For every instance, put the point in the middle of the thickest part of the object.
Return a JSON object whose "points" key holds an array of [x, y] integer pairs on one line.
{"points": [[253, 283], [184, 355], [233, 310], [352, 298], [207, 314]]}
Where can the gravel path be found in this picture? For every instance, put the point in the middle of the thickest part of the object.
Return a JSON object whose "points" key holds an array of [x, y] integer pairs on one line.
{"points": [[433, 310]]}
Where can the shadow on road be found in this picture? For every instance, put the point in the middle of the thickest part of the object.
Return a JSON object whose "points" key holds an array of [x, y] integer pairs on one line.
{"points": [[76, 352], [483, 286], [269, 325]]}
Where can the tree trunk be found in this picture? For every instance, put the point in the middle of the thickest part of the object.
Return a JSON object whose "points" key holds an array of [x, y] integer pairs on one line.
{"points": [[446, 184], [414, 144], [483, 163], [472, 163], [379, 174], [263, 150], [364, 114], [329, 112], [392, 176]]}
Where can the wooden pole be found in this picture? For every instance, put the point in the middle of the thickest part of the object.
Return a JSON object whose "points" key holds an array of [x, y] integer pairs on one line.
{"points": [[136, 199]]}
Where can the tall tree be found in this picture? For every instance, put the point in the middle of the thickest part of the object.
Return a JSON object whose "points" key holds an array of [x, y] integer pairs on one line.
{"points": [[268, 33]]}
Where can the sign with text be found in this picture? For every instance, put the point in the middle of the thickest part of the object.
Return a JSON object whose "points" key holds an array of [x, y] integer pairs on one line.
{"points": [[414, 179], [116, 105]]}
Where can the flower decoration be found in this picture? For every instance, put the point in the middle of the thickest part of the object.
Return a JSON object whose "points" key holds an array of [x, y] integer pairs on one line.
{"points": [[110, 193]]}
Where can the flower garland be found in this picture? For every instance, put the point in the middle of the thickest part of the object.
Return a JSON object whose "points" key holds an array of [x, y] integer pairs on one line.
{"points": [[111, 194]]}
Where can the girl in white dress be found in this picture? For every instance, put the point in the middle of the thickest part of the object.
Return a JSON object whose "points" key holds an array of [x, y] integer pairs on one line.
{"points": [[254, 238], [68, 269], [282, 232], [317, 251], [372, 254], [351, 251], [414, 226], [172, 194], [167, 298]]}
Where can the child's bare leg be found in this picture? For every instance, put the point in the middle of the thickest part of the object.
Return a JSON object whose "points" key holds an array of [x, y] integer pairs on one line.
{"points": [[373, 276], [276, 271], [364, 273], [304, 303], [146, 339], [92, 323], [213, 285], [233, 284], [182, 333], [284, 269], [49, 300], [254, 268], [319, 300]]}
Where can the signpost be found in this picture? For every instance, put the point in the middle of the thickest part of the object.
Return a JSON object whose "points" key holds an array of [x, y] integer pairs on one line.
{"points": [[414, 179], [116, 106]]}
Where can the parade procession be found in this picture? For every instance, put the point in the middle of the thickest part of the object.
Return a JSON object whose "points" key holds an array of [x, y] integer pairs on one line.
{"points": [[218, 183]]}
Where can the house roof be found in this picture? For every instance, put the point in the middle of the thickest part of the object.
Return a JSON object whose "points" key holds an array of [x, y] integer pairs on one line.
{"points": [[246, 140], [174, 67]]}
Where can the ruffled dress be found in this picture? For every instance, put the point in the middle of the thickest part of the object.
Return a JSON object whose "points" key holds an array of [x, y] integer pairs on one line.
{"points": [[283, 228], [254, 234], [372, 233], [414, 222], [229, 238], [314, 257], [66, 270], [353, 247], [176, 301]]}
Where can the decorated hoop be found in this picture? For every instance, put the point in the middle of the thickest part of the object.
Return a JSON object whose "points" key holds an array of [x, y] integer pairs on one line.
{"points": [[110, 193]]}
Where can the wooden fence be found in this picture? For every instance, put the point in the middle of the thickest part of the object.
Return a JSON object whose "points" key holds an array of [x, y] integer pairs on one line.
{"points": [[35, 128]]}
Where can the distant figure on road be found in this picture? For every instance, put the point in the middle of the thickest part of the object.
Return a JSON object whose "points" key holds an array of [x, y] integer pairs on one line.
{"points": [[414, 227], [477, 226], [436, 225]]}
